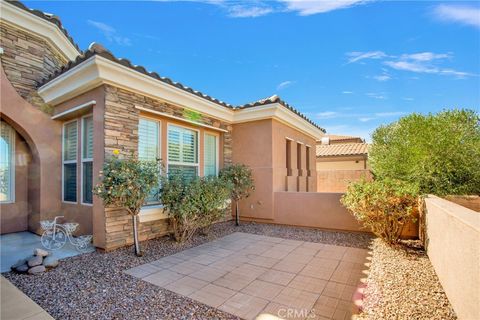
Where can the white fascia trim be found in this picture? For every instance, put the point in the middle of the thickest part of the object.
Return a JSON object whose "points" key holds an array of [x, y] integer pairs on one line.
{"points": [[280, 113], [164, 114], [77, 108], [25, 20], [98, 70]]}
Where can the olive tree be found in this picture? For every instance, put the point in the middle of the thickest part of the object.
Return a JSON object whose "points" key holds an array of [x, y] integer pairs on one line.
{"points": [[439, 152], [241, 179], [126, 183]]}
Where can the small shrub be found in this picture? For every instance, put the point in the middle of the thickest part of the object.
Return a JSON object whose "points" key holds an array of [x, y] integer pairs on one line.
{"points": [[126, 183], [241, 179], [383, 206], [193, 204]]}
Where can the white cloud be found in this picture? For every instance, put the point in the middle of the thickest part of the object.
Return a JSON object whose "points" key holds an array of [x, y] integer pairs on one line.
{"points": [[110, 33], [347, 92], [356, 56], [375, 95], [326, 115], [382, 77], [366, 119], [425, 56], [244, 11], [421, 62], [309, 7], [461, 14], [407, 99], [285, 84]]}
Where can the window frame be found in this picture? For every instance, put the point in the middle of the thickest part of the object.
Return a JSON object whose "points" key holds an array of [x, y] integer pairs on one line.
{"points": [[82, 159], [217, 149], [69, 162], [12, 169], [157, 204], [186, 164]]}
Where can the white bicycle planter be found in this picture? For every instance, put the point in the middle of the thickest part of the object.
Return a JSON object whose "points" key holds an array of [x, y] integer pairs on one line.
{"points": [[55, 235]]}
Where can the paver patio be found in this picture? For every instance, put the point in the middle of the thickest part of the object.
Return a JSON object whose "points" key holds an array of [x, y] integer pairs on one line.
{"points": [[251, 275]]}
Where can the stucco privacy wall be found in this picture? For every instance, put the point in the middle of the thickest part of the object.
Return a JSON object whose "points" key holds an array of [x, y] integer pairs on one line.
{"points": [[121, 118], [338, 180], [453, 246], [313, 209]]}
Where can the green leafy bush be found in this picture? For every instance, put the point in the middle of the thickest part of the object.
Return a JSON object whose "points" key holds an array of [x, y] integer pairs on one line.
{"points": [[439, 152], [126, 183], [383, 206], [241, 179], [193, 204]]}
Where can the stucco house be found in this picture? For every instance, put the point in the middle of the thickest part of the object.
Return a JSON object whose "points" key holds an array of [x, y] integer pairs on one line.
{"points": [[340, 159], [63, 111]]}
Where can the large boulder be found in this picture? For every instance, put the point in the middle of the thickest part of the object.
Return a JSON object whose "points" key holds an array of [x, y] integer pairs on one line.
{"points": [[50, 262], [36, 270], [40, 252], [35, 261]]}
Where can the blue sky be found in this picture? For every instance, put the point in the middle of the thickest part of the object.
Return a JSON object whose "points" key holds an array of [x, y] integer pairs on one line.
{"points": [[349, 65]]}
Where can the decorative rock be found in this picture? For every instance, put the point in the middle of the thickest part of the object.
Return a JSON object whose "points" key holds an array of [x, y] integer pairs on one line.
{"points": [[22, 268], [50, 262], [36, 270], [35, 261], [40, 252], [18, 263]]}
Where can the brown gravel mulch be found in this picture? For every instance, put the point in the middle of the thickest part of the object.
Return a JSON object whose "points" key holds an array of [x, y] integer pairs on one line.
{"points": [[402, 284], [93, 286]]}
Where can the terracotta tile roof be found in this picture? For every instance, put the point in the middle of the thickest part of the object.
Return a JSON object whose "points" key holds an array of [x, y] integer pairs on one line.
{"points": [[276, 99], [342, 149], [98, 49], [46, 16], [340, 138]]}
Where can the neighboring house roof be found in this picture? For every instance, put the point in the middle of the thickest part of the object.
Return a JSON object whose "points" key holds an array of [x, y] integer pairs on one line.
{"points": [[98, 49], [46, 16], [342, 149], [335, 138]]}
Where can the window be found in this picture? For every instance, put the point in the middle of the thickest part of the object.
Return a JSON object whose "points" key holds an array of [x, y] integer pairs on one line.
{"points": [[87, 160], [149, 149], [70, 137], [7, 163], [289, 157], [182, 151], [210, 166]]}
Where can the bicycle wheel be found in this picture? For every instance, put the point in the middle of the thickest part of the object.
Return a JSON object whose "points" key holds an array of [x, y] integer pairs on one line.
{"points": [[54, 241]]}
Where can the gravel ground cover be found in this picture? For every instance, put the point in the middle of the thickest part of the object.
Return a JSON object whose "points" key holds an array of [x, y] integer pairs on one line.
{"points": [[402, 284], [93, 286]]}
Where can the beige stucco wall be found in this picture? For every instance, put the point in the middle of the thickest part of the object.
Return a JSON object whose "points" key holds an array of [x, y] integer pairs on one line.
{"points": [[338, 180], [342, 163], [313, 209], [453, 246]]}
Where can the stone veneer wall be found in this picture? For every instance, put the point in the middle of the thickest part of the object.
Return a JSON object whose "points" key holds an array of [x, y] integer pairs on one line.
{"points": [[28, 59], [121, 133]]}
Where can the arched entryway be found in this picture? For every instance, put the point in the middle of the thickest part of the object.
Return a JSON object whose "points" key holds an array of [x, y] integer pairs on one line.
{"points": [[19, 179]]}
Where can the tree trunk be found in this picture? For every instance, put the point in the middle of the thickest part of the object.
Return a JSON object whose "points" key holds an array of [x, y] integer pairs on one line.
{"points": [[237, 218], [138, 252]]}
